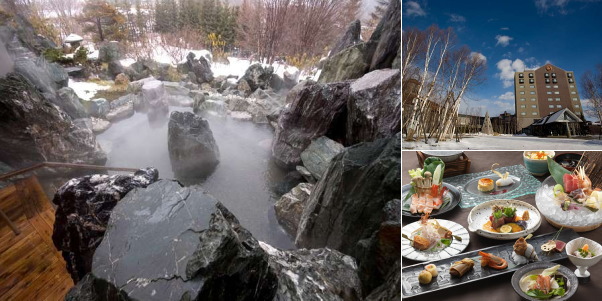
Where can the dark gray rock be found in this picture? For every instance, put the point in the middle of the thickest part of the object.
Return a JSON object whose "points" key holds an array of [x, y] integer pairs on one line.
{"points": [[47, 77], [76, 72], [290, 207], [314, 275], [35, 131], [386, 37], [315, 110], [109, 52], [98, 107], [198, 97], [391, 289], [349, 38], [291, 179], [168, 242], [200, 66], [317, 156], [121, 108], [83, 209], [193, 151], [68, 101], [374, 106], [306, 174], [345, 211], [276, 82], [291, 77], [257, 77], [114, 68], [350, 63]]}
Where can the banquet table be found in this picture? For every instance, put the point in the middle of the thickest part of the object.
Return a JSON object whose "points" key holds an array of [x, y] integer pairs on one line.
{"points": [[499, 287]]}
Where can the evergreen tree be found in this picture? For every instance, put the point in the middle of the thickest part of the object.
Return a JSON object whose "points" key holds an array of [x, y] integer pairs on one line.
{"points": [[103, 19]]}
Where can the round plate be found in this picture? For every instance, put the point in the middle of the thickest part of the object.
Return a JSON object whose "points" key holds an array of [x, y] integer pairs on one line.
{"points": [[479, 215], [538, 267], [456, 247], [456, 197], [472, 186]]}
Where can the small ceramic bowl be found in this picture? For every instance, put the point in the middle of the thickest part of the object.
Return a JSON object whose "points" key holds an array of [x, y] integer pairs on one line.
{"points": [[534, 166], [570, 160], [583, 263]]}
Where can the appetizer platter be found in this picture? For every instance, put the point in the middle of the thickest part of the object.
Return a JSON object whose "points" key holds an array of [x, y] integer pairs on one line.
{"points": [[568, 199], [504, 219], [544, 281], [485, 263], [432, 239], [495, 184], [427, 194]]}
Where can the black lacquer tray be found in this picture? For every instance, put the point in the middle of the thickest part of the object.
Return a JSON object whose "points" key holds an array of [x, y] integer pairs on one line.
{"points": [[411, 287]]}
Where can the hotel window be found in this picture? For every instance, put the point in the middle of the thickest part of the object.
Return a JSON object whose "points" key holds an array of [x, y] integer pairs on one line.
{"points": [[551, 106], [532, 92], [573, 92], [532, 86], [530, 75], [574, 98], [522, 86], [522, 92], [534, 114], [533, 99], [571, 80], [557, 98], [523, 113], [556, 92], [572, 86], [523, 106], [531, 81], [522, 99], [556, 86], [554, 80], [534, 106], [553, 74], [521, 75], [550, 99], [576, 106], [521, 81], [548, 86], [559, 106], [547, 80], [549, 92], [546, 75], [569, 75]]}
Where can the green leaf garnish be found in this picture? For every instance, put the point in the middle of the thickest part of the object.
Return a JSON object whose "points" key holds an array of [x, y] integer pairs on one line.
{"points": [[446, 241], [509, 211], [498, 214]]}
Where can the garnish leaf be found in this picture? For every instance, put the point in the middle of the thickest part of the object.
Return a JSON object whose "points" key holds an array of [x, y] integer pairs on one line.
{"points": [[556, 170], [446, 241]]}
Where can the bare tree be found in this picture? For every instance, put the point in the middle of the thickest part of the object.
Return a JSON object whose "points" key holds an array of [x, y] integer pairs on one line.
{"points": [[178, 44], [591, 89]]}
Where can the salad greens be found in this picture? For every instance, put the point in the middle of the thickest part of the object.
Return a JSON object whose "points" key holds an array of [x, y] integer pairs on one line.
{"points": [[435, 166], [539, 294]]}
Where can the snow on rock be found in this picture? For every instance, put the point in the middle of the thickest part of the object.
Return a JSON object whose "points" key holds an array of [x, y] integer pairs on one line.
{"points": [[127, 62], [86, 90]]}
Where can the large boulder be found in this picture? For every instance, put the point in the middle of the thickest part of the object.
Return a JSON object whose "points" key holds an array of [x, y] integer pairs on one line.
{"points": [[257, 77], [349, 38], [374, 106], [121, 108], [290, 207], [154, 94], [291, 77], [314, 275], [192, 149], [98, 107], [47, 77], [68, 101], [315, 110], [33, 130], [348, 206], [318, 155], [169, 242], [83, 209], [178, 95], [99, 125], [199, 66], [386, 38], [350, 63], [391, 289], [110, 52]]}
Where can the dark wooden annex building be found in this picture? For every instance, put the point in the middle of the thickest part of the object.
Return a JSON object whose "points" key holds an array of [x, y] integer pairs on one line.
{"points": [[562, 123]]}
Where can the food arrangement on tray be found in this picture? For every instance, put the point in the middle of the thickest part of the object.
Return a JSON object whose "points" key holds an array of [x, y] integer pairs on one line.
{"points": [[504, 219], [430, 239]]}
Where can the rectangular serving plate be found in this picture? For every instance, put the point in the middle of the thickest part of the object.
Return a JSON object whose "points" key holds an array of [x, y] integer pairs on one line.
{"points": [[411, 287]]}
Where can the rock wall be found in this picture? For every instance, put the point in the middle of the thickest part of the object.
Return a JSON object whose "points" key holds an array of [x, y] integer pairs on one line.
{"points": [[84, 206]]}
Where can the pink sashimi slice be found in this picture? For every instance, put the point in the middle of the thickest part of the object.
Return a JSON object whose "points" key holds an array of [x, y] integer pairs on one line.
{"points": [[560, 245], [571, 182]]}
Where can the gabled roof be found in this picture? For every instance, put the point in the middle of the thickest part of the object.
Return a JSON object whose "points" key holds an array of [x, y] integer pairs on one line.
{"points": [[563, 115]]}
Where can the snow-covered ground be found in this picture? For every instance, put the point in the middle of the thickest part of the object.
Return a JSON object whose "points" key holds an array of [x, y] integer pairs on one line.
{"points": [[86, 90], [506, 143]]}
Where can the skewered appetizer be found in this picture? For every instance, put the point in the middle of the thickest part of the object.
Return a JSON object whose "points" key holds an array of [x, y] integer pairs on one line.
{"points": [[505, 220], [427, 192], [523, 251], [554, 244], [492, 261], [431, 236], [545, 285], [485, 185], [459, 268], [576, 189], [504, 179]]}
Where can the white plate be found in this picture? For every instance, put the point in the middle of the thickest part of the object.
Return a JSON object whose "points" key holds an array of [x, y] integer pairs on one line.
{"points": [[479, 215], [456, 247]]}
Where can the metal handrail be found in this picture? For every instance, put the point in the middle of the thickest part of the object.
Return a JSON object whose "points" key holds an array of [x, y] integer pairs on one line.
{"points": [[61, 164]]}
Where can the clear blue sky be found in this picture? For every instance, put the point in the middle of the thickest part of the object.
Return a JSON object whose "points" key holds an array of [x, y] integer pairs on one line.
{"points": [[515, 34]]}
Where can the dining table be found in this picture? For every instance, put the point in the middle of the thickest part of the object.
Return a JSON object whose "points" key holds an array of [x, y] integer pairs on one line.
{"points": [[498, 287]]}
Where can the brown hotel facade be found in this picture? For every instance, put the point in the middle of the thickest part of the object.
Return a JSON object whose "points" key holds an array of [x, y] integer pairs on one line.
{"points": [[543, 91]]}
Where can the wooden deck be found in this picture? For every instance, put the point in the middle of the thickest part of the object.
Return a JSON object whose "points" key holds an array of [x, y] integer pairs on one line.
{"points": [[30, 266]]}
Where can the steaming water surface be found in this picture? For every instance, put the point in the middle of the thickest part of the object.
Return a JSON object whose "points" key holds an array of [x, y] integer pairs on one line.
{"points": [[242, 181]]}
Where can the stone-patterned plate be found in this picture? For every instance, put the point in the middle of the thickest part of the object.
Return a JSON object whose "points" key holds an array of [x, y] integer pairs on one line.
{"points": [[538, 267], [456, 247], [479, 215]]}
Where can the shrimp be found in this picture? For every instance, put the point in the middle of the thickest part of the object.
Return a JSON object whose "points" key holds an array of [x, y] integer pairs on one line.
{"points": [[493, 261], [543, 283], [583, 180]]}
